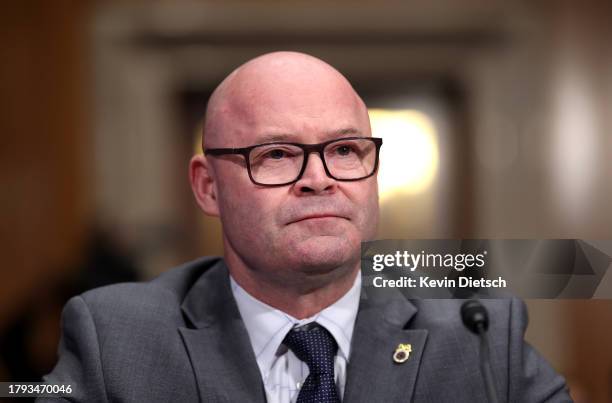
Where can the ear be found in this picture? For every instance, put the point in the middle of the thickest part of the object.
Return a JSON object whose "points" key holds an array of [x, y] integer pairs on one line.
{"points": [[203, 184]]}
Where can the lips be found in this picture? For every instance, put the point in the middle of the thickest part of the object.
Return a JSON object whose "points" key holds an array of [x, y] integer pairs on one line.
{"points": [[315, 216], [312, 211]]}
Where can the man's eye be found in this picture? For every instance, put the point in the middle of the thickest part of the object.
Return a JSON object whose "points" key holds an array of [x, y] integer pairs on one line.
{"points": [[343, 150], [276, 154]]}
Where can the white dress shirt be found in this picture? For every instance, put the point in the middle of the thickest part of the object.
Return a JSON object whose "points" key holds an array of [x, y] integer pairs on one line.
{"points": [[282, 372]]}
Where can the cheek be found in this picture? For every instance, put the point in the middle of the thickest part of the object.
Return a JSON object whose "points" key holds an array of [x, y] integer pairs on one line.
{"points": [[372, 219], [365, 199], [247, 213]]}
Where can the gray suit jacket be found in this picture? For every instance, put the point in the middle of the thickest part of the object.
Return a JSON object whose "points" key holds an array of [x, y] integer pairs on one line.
{"points": [[180, 338]]}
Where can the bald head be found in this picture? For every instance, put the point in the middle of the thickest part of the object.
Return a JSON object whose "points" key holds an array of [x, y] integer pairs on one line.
{"points": [[272, 86]]}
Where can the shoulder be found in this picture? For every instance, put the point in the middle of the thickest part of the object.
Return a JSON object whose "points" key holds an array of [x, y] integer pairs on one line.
{"points": [[120, 337], [158, 299], [449, 337], [519, 370]]}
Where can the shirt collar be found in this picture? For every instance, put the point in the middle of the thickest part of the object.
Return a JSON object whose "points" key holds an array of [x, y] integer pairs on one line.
{"points": [[268, 326]]}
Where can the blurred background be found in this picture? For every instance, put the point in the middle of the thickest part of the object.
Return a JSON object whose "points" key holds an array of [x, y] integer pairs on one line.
{"points": [[502, 112]]}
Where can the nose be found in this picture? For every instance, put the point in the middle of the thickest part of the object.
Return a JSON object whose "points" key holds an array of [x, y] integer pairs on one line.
{"points": [[314, 180]]}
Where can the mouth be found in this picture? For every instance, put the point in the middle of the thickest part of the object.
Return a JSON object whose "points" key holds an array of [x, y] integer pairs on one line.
{"points": [[320, 216]]}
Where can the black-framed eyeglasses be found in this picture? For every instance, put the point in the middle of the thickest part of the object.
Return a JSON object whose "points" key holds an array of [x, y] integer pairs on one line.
{"points": [[281, 163]]}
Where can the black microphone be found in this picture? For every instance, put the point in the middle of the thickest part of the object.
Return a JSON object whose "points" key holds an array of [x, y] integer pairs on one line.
{"points": [[476, 318]]}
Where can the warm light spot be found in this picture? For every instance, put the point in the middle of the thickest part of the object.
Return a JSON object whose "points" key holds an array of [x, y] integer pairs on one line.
{"points": [[574, 145], [409, 155], [197, 138]]}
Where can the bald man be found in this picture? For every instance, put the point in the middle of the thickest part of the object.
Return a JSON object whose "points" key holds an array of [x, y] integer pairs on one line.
{"points": [[289, 166]]}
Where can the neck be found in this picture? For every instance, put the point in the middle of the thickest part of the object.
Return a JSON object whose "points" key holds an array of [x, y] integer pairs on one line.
{"points": [[302, 296]]}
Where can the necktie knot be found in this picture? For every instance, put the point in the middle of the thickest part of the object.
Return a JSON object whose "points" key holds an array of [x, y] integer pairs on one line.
{"points": [[315, 346]]}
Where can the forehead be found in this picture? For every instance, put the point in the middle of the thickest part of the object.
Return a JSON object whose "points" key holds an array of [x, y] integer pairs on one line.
{"points": [[317, 136], [298, 108]]}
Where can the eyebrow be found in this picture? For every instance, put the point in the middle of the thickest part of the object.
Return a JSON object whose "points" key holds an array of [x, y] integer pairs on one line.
{"points": [[288, 137]]}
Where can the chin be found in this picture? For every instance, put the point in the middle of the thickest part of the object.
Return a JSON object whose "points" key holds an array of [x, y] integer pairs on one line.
{"points": [[324, 253]]}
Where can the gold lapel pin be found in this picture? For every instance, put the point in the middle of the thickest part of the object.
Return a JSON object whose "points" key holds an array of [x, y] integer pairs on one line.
{"points": [[402, 352]]}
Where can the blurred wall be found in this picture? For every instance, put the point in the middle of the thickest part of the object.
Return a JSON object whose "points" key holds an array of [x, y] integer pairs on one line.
{"points": [[44, 151], [44, 202]]}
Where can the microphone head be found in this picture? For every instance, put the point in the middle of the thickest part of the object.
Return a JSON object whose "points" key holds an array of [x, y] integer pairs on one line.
{"points": [[475, 316]]}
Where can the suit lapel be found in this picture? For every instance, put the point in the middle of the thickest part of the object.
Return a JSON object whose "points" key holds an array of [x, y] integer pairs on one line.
{"points": [[218, 344], [372, 374]]}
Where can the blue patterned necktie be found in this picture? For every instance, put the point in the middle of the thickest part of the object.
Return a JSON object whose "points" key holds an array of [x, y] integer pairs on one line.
{"points": [[317, 348]]}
